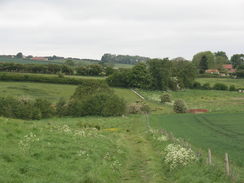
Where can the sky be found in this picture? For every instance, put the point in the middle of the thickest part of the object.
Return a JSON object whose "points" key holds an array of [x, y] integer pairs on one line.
{"points": [[90, 28]]}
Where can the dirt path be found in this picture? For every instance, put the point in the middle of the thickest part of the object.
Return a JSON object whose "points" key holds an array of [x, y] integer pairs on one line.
{"points": [[143, 163]]}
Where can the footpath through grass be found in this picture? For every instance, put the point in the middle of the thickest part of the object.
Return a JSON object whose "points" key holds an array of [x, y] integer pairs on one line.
{"points": [[89, 150]]}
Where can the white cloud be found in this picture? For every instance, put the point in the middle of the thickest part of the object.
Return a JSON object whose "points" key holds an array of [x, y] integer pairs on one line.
{"points": [[156, 28]]}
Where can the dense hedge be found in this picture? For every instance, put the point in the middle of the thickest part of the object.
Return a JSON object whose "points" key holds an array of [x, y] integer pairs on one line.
{"points": [[88, 70], [217, 86], [25, 108], [47, 79]]}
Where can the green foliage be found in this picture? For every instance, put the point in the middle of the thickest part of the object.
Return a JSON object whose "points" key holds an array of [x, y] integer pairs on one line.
{"points": [[206, 86], [45, 107], [203, 65], [25, 108], [196, 85], [165, 98], [220, 86], [185, 72], [237, 60], [123, 59], [138, 108], [67, 68], [140, 77], [47, 79], [204, 60], [19, 55], [95, 99], [232, 88], [179, 106], [61, 107], [160, 73], [121, 78]]}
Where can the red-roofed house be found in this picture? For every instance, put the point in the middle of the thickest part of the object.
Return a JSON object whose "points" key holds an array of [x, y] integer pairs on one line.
{"points": [[229, 68], [40, 58]]}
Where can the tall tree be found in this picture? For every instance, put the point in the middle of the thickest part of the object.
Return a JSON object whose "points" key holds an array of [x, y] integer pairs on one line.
{"points": [[237, 60], [160, 72], [210, 59], [19, 55], [203, 65]]}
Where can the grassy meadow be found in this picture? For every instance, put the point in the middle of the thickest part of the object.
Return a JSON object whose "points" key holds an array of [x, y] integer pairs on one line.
{"points": [[238, 83], [213, 100], [120, 149], [52, 92]]}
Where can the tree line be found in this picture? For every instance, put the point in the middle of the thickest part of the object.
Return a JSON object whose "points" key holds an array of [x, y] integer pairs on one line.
{"points": [[158, 74], [88, 70]]}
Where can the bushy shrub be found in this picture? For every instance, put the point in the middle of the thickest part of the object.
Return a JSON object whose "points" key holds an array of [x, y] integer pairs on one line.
{"points": [[61, 107], [179, 106], [220, 86], [196, 85], [178, 156], [206, 86], [96, 99], [138, 108], [232, 88], [165, 98], [25, 108], [60, 75], [46, 108]]}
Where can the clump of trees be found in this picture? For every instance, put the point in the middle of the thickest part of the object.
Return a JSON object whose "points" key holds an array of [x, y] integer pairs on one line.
{"points": [[158, 74], [122, 59], [208, 60], [94, 99]]}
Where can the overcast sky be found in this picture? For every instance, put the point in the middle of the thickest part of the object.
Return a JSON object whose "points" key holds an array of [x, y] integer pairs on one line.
{"points": [[89, 28]]}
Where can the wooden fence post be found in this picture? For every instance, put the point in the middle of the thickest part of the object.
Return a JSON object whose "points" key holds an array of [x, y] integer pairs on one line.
{"points": [[227, 165], [209, 157]]}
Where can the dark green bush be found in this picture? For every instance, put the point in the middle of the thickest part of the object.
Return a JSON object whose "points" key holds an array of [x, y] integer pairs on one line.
{"points": [[96, 99], [25, 108], [232, 88], [196, 85], [165, 98], [61, 107], [206, 86], [179, 106], [45, 107], [220, 86]]}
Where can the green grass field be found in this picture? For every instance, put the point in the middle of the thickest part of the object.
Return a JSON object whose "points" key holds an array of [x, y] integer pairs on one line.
{"points": [[87, 150], [67, 150], [120, 149], [52, 92], [213, 100], [238, 83], [219, 132]]}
